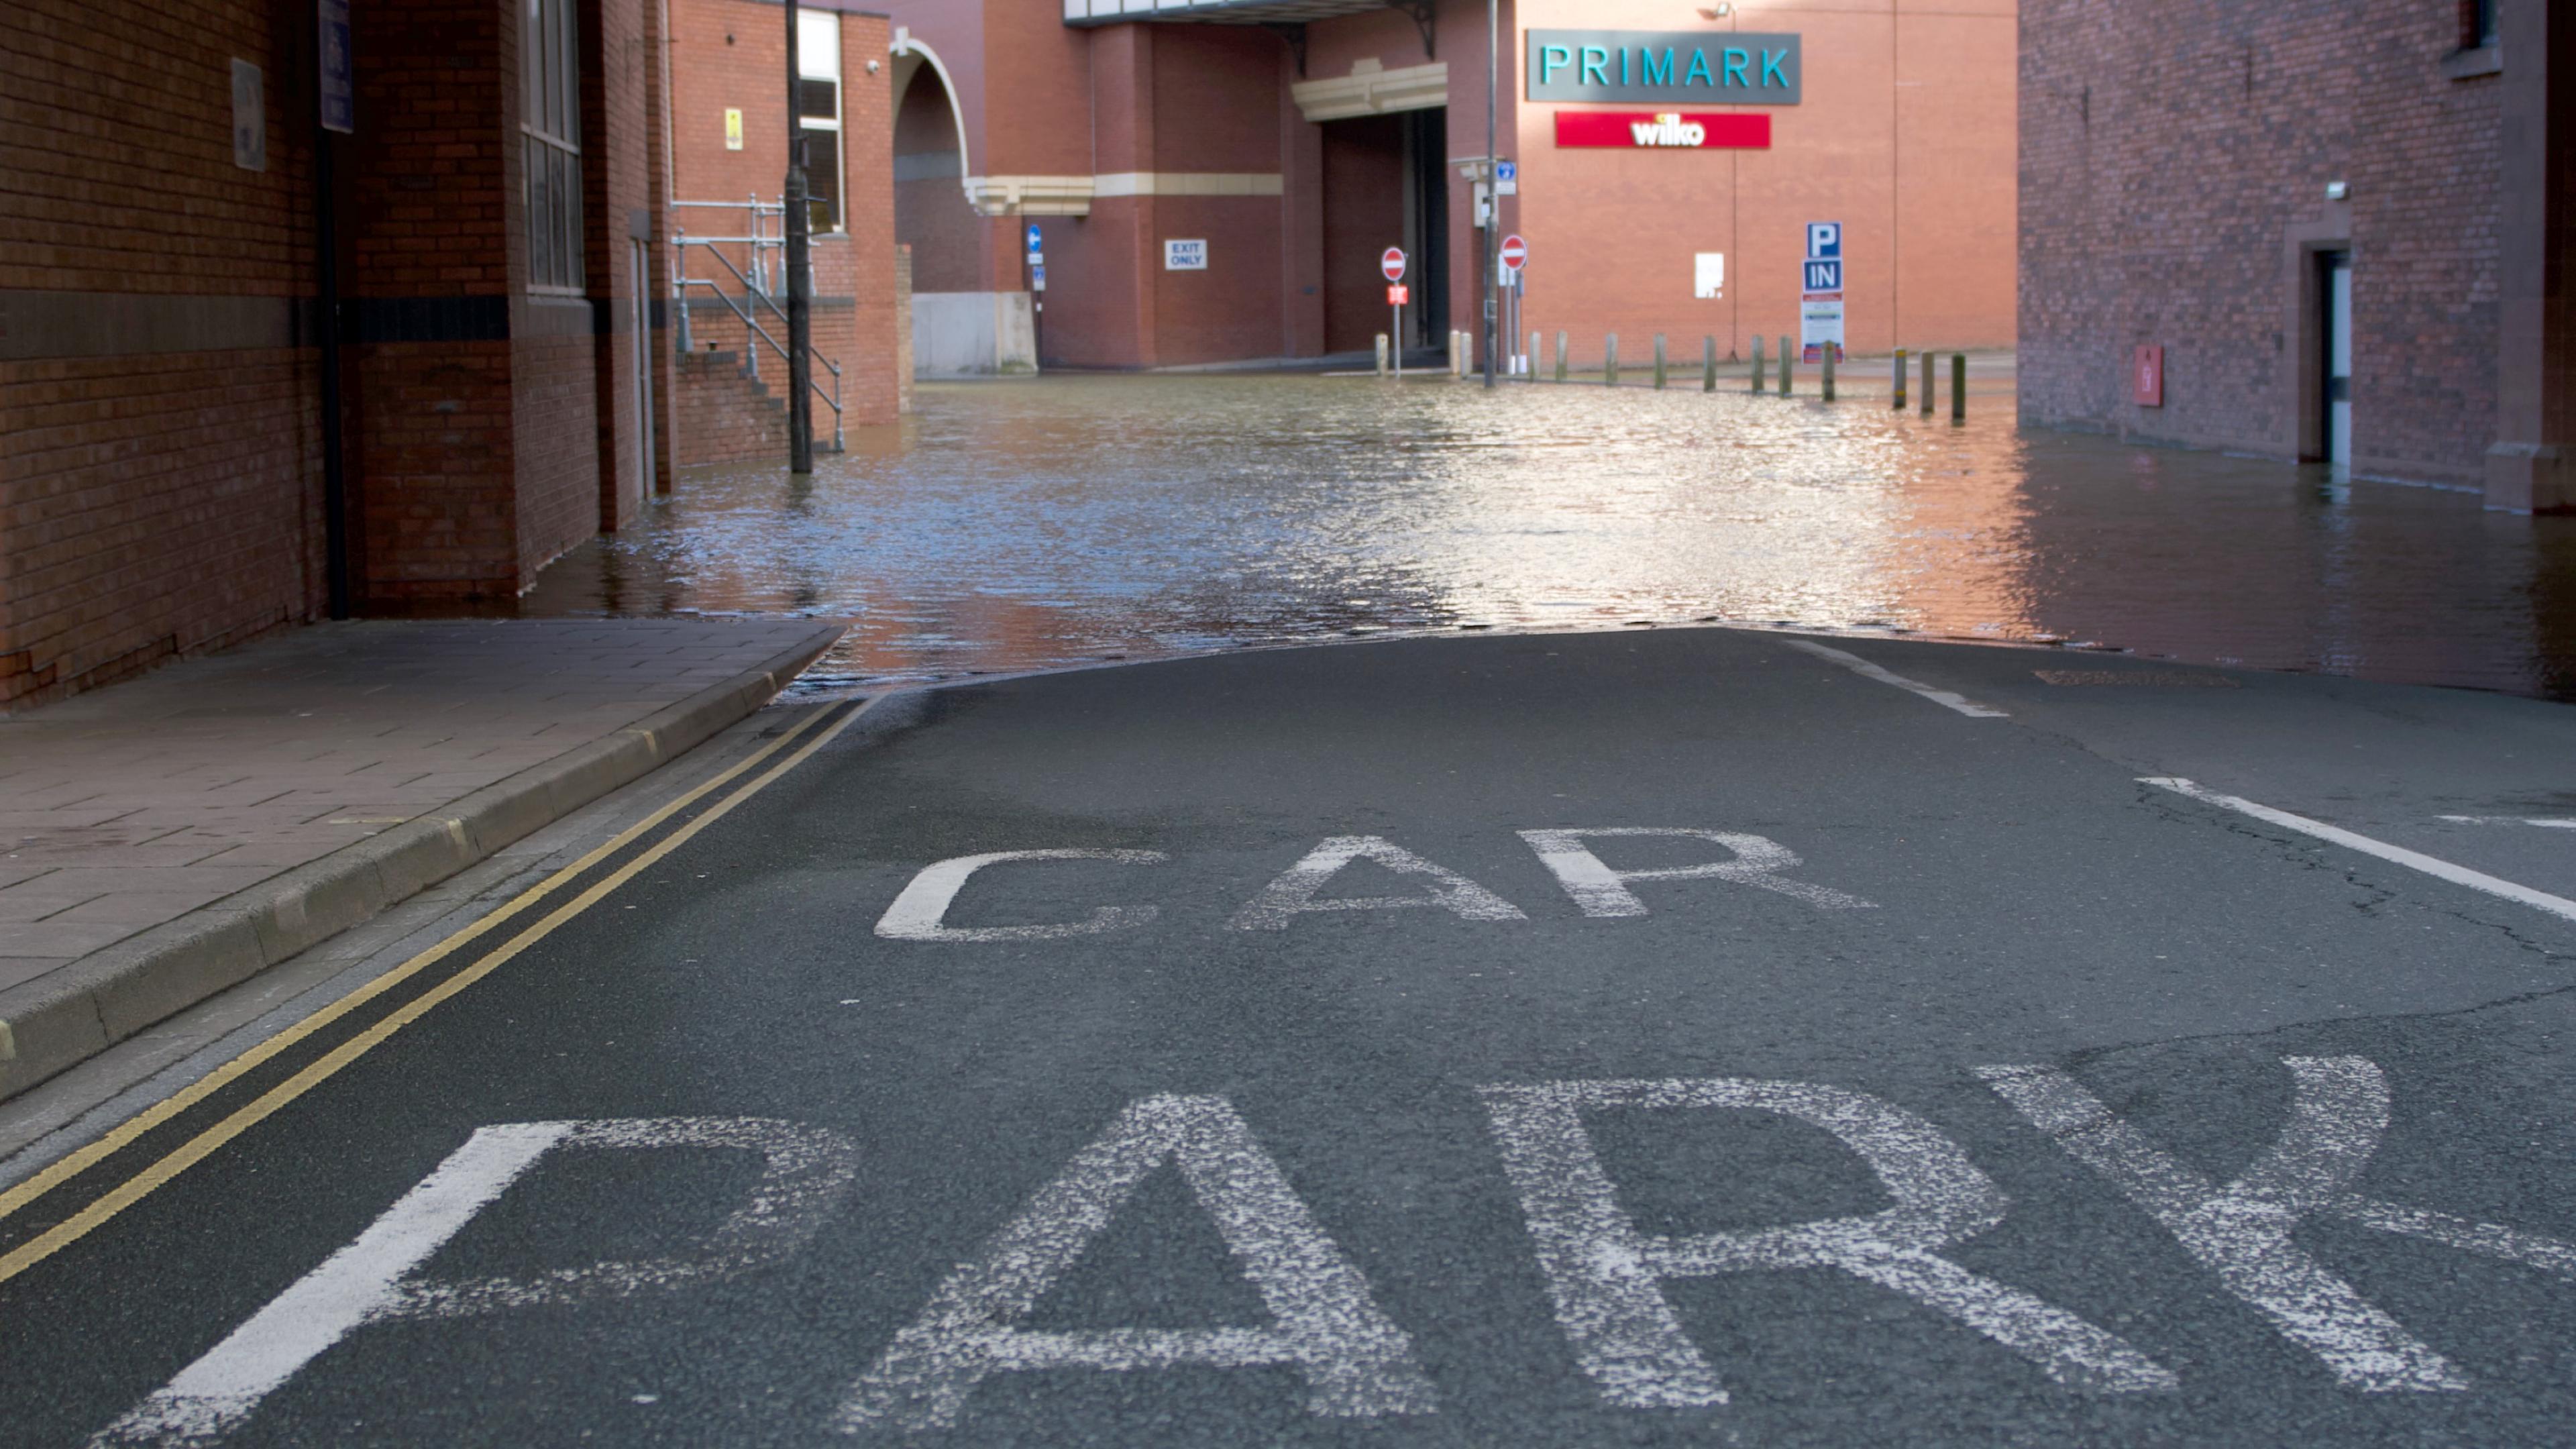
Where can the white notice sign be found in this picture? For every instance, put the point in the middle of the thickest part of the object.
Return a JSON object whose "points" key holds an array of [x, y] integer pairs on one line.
{"points": [[1708, 274], [250, 117], [1185, 256]]}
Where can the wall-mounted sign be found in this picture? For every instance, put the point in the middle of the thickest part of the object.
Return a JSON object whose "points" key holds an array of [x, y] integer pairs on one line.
{"points": [[1820, 292], [733, 128], [250, 117], [1662, 130], [1672, 67], [2148, 376], [1185, 256], [1391, 262], [1398, 294], [1708, 275], [335, 71], [1036, 240]]}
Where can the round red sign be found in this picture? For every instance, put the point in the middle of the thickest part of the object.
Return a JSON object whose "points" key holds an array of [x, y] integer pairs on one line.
{"points": [[1391, 262], [1515, 253]]}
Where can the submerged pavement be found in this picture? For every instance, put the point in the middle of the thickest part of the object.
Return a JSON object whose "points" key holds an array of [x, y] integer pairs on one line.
{"points": [[1675, 1036]]}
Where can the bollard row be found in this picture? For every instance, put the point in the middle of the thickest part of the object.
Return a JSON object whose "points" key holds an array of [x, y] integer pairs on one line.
{"points": [[1462, 348]]}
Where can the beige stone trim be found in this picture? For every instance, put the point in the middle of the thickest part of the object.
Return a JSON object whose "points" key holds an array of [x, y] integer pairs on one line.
{"points": [[1372, 90], [1030, 195], [1190, 183]]}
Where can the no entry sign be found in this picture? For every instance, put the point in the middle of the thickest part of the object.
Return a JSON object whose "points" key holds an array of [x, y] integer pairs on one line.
{"points": [[1391, 262], [1515, 252]]}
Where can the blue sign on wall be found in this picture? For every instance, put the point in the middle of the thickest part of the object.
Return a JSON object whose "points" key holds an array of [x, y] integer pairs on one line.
{"points": [[1824, 275], [1034, 239], [1824, 239], [1680, 67]]}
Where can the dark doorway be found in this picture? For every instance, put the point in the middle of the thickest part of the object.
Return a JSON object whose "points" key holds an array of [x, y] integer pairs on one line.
{"points": [[1383, 187], [2334, 300]]}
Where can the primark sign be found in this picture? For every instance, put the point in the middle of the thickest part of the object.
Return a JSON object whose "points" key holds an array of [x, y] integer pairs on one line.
{"points": [[1678, 68]]}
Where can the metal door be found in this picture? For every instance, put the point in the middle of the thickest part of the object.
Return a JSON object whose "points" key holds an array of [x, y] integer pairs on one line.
{"points": [[642, 286]]}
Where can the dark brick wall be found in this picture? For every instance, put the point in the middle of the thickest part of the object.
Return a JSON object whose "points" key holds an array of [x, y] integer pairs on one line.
{"points": [[2174, 160]]}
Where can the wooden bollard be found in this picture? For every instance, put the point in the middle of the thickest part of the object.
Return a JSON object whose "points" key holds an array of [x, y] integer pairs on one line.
{"points": [[1610, 362], [1899, 404], [1708, 364], [1784, 366], [1659, 362], [1757, 364], [1829, 372], [1560, 356], [1958, 387], [1927, 384], [1381, 354]]}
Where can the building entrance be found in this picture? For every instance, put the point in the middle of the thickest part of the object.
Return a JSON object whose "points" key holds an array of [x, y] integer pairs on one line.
{"points": [[2337, 296], [1384, 185]]}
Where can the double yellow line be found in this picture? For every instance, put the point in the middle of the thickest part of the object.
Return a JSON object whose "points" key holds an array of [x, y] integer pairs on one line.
{"points": [[196, 1149]]}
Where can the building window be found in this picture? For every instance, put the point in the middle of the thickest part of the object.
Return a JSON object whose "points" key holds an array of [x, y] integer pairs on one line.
{"points": [[550, 127], [818, 110], [2477, 23]]}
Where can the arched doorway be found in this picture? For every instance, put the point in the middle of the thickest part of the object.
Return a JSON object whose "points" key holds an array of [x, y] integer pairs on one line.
{"points": [[960, 324]]}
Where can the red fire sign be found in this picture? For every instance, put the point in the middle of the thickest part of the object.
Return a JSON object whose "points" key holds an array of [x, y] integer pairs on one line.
{"points": [[1398, 295], [2148, 372], [1391, 262], [1664, 130]]}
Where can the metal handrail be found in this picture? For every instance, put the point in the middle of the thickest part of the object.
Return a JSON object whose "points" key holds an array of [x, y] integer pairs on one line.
{"points": [[752, 290]]}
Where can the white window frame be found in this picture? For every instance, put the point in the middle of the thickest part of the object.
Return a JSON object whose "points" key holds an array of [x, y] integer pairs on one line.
{"points": [[550, 146], [823, 62]]}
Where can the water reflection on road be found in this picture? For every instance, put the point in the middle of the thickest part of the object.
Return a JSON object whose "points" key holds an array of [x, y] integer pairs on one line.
{"points": [[1026, 525]]}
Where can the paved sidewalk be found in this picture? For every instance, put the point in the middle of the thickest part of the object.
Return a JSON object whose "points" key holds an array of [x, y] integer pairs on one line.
{"points": [[165, 838]]}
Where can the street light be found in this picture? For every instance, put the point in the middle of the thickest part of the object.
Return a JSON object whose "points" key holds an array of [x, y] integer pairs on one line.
{"points": [[798, 220]]}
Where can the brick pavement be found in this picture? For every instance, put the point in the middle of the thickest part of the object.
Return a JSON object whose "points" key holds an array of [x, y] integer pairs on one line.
{"points": [[129, 807]]}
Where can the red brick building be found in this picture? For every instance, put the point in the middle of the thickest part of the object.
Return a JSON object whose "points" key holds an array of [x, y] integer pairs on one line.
{"points": [[166, 481], [2339, 230], [1294, 140]]}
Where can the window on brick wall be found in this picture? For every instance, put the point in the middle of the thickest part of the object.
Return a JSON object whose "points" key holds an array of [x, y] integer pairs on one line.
{"points": [[550, 128], [818, 110]]}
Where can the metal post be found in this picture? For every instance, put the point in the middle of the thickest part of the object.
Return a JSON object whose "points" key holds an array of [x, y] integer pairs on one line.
{"points": [[1757, 364], [1927, 384], [326, 326], [800, 286], [1398, 343], [1493, 186], [1785, 358], [1708, 364], [1560, 355], [1829, 372], [1610, 362], [1958, 387], [680, 288], [1899, 404]]}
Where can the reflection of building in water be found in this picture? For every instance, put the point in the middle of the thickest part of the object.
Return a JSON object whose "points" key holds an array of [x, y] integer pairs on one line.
{"points": [[1219, 182], [2337, 232]]}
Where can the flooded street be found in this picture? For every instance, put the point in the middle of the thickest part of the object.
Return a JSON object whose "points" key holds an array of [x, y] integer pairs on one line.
{"points": [[1024, 525]]}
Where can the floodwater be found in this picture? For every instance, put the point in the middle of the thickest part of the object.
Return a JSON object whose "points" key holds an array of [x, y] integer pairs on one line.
{"points": [[1035, 524]]}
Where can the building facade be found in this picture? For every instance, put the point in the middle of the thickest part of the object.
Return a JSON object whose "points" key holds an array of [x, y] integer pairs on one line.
{"points": [[1216, 180], [439, 216], [2331, 230]]}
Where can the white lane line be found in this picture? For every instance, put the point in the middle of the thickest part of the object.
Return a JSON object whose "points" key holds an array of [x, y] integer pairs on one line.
{"points": [[1867, 670], [2439, 869], [2543, 821]]}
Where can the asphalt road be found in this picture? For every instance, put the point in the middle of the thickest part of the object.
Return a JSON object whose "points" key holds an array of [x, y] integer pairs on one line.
{"points": [[1906, 1075]]}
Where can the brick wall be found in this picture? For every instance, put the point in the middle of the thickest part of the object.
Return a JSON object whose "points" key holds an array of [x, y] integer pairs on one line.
{"points": [[720, 416], [159, 467], [2122, 244]]}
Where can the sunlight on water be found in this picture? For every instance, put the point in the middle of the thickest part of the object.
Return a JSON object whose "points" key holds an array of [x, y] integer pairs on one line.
{"points": [[1035, 524]]}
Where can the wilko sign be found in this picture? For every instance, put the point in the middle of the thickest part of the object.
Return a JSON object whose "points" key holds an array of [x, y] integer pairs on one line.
{"points": [[1664, 130]]}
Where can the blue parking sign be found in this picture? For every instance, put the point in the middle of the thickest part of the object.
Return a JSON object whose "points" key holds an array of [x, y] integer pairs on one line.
{"points": [[1824, 275], [1824, 239]]}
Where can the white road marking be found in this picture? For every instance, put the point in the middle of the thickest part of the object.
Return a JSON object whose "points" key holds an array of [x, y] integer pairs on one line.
{"points": [[2242, 1232], [369, 1281], [1293, 893], [2545, 822], [2475, 880], [1603, 1274], [1867, 670], [919, 913], [1601, 891], [1354, 1359]]}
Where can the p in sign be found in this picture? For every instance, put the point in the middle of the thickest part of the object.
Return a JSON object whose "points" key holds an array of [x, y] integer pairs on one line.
{"points": [[1823, 274], [1391, 262], [1825, 240], [1515, 252]]}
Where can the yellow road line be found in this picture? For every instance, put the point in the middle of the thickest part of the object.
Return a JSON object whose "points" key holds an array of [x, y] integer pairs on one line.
{"points": [[196, 1149], [76, 1163]]}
